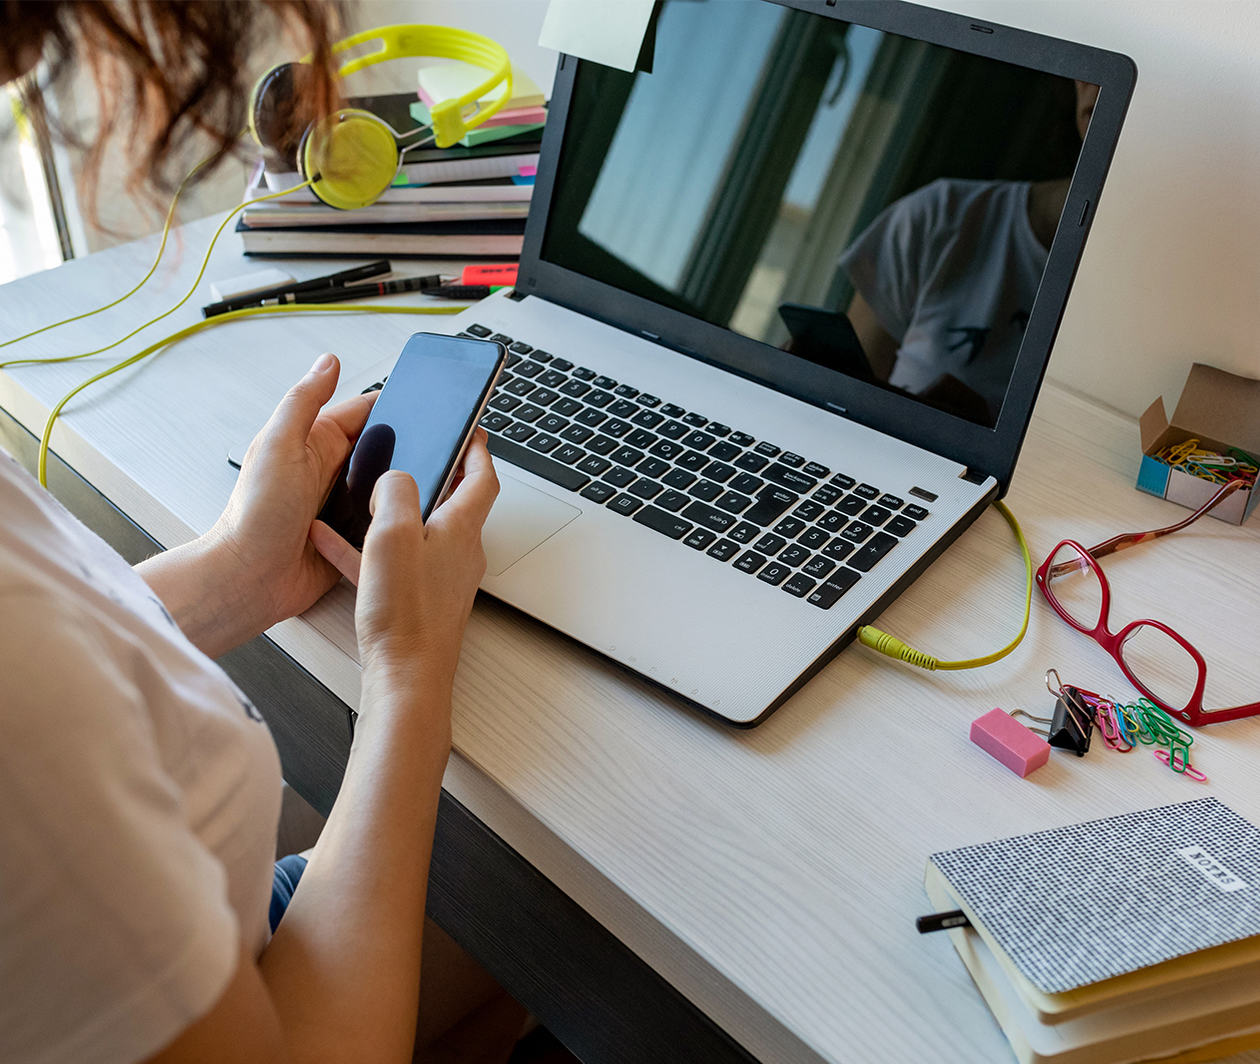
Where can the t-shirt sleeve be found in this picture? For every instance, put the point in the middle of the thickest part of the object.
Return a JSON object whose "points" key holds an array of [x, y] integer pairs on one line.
{"points": [[115, 927]]}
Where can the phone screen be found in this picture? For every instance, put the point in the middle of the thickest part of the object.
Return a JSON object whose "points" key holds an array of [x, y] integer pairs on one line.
{"points": [[420, 424]]}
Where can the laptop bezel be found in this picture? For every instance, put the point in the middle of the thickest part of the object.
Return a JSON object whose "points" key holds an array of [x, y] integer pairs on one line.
{"points": [[985, 451]]}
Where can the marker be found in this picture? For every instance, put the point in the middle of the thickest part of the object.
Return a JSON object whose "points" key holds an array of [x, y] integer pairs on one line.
{"points": [[941, 921], [465, 291]]}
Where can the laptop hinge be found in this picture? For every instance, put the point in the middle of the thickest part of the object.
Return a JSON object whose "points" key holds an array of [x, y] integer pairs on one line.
{"points": [[972, 476], [516, 295]]}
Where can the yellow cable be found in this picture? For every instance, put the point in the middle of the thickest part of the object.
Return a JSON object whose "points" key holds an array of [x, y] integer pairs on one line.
{"points": [[220, 319], [895, 648]]}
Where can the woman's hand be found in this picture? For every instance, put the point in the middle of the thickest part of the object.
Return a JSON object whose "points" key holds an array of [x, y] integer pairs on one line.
{"points": [[417, 581], [288, 470]]}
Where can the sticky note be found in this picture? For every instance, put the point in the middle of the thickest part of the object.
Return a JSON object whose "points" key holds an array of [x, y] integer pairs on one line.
{"points": [[611, 34], [999, 734]]}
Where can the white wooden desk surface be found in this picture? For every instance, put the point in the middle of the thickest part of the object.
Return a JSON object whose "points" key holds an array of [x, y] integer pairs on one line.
{"points": [[772, 875]]}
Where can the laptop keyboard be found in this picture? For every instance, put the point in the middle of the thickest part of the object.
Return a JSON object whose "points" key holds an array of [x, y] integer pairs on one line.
{"points": [[775, 515]]}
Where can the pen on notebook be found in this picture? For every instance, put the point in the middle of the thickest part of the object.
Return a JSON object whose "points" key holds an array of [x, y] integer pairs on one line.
{"points": [[941, 921], [332, 280], [343, 293]]}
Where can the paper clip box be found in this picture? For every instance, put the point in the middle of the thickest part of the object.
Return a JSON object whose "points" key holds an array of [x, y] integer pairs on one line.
{"points": [[1221, 410]]}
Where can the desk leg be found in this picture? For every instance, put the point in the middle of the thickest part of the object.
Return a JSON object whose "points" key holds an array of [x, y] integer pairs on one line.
{"points": [[604, 1003]]}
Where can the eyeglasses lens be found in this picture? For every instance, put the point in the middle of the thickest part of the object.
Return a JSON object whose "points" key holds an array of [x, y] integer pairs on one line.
{"points": [[1075, 586], [1161, 664]]}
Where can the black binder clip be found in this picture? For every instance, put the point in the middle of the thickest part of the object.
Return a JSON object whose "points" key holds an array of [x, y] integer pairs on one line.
{"points": [[1072, 725]]}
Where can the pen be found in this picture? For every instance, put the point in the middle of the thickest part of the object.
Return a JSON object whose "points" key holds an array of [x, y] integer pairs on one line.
{"points": [[362, 291], [940, 921], [332, 280]]}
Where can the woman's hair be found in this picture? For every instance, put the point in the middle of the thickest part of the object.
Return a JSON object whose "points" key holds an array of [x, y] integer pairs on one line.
{"points": [[170, 74]]}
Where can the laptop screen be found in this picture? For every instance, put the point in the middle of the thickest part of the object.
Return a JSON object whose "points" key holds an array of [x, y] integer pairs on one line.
{"points": [[861, 201]]}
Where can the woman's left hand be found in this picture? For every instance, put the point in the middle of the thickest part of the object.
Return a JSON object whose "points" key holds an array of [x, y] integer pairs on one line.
{"points": [[287, 472]]}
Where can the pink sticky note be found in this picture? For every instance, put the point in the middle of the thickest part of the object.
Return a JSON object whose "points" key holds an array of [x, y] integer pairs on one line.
{"points": [[999, 734], [528, 171]]}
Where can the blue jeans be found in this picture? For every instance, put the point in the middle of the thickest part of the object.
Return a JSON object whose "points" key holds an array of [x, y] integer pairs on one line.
{"points": [[284, 882]]}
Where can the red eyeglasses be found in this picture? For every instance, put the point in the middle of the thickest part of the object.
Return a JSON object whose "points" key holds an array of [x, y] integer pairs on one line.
{"points": [[1158, 662]]}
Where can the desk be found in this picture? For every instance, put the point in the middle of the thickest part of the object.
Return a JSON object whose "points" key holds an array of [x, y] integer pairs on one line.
{"points": [[652, 869]]}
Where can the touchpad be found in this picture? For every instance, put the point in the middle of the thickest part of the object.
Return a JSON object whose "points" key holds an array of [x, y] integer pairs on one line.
{"points": [[521, 519]]}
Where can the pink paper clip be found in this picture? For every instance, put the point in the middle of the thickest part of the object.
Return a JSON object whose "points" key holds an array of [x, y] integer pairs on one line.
{"points": [[1180, 764]]}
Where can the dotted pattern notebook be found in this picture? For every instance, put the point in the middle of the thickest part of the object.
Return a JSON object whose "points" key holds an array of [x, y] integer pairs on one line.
{"points": [[1081, 904]]}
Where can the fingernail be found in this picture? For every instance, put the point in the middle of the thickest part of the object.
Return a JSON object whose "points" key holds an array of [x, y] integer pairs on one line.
{"points": [[323, 363]]}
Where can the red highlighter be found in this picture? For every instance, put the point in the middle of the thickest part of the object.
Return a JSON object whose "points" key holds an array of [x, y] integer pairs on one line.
{"points": [[1001, 735], [489, 273]]}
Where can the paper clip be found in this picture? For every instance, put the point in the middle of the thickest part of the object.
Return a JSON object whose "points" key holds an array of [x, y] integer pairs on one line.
{"points": [[1109, 726], [1181, 765]]}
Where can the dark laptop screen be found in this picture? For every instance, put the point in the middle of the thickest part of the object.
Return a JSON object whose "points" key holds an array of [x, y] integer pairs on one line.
{"points": [[868, 202]]}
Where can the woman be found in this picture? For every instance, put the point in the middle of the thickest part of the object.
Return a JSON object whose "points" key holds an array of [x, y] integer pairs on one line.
{"points": [[139, 790]]}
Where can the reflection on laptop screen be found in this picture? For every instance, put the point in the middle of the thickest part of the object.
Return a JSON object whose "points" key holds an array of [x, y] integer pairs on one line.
{"points": [[875, 204]]}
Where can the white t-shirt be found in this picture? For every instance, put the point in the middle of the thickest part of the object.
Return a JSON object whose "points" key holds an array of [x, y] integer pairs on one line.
{"points": [[139, 802], [951, 271]]}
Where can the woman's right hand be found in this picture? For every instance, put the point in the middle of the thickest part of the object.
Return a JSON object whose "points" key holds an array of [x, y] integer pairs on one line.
{"points": [[417, 581]]}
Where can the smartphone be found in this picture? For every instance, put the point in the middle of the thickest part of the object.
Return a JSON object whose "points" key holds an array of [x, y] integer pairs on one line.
{"points": [[421, 423]]}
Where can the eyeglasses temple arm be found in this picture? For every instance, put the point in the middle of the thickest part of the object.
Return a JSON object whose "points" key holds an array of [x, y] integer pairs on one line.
{"points": [[1132, 539]]}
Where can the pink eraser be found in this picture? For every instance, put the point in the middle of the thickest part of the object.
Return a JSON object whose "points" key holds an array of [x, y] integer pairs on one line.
{"points": [[1001, 735]]}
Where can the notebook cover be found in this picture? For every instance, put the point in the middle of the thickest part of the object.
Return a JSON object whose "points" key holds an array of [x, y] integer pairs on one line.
{"points": [[1076, 905]]}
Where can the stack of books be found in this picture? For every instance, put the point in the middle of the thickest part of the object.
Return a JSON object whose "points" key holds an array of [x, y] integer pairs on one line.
{"points": [[1132, 938], [469, 201]]}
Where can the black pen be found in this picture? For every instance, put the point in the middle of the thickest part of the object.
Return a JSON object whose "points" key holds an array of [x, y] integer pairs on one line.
{"points": [[332, 280], [363, 291]]}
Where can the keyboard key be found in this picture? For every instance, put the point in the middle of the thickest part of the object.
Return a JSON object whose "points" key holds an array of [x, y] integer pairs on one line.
{"points": [[752, 461], [649, 400], [814, 469], [577, 434], [625, 391], [774, 573], [719, 471], [627, 456], [617, 427], [529, 412], [544, 442], [867, 491], [521, 348], [692, 460], [899, 525], [875, 515], [674, 430], [706, 490], [506, 341], [519, 387], [646, 489], [791, 527], [750, 561], [744, 532], [832, 522], [700, 538], [551, 379], [747, 484], [703, 514], [880, 544], [599, 398], [623, 408], [601, 445], [828, 593], [768, 449], [519, 432], [891, 502], [672, 410], [789, 478], [666, 449], [538, 464], [679, 478], [493, 421], [770, 505], [478, 330], [770, 544], [696, 420], [541, 356], [583, 374], [604, 383], [505, 402], [791, 458], [800, 585], [562, 364], [544, 396], [793, 554], [857, 531], [839, 549], [553, 423], [734, 502], [723, 550], [512, 360], [624, 504], [594, 465], [641, 438], [718, 429], [852, 505], [566, 453], [843, 482], [667, 524], [652, 467], [566, 407], [915, 512], [575, 388], [809, 510], [814, 538], [671, 500], [818, 566], [528, 368], [742, 439], [649, 419], [619, 476], [701, 441], [724, 451], [827, 494]]}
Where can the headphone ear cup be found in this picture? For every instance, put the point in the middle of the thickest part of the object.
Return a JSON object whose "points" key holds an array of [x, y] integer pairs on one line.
{"points": [[351, 157], [274, 120]]}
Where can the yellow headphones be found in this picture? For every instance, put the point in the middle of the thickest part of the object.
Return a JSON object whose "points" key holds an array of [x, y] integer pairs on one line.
{"points": [[351, 156]]}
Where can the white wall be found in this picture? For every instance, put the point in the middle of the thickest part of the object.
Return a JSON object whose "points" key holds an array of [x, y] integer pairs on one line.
{"points": [[1171, 273]]}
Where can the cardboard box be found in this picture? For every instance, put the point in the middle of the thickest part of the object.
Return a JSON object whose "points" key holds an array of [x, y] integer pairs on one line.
{"points": [[1221, 410]]}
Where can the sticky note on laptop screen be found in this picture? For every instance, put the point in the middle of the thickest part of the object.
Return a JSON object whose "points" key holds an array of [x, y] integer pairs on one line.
{"points": [[1076, 905]]}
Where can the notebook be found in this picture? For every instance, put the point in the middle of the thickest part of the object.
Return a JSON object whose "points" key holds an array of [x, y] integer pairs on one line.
{"points": [[1122, 938], [684, 491]]}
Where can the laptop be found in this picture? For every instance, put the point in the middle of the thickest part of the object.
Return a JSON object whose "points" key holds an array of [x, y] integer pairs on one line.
{"points": [[682, 492]]}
